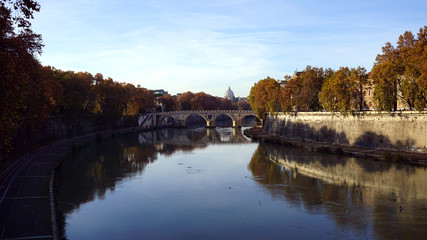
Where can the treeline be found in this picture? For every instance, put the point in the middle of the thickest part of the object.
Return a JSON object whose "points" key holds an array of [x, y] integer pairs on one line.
{"points": [[47, 92], [32, 94], [200, 101], [399, 73]]}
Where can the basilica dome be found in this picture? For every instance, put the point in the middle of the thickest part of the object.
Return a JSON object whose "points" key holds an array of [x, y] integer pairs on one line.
{"points": [[229, 94]]}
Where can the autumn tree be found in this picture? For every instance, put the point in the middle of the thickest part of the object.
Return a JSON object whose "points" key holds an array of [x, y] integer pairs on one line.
{"points": [[170, 103], [140, 100], [343, 91], [112, 99], [42, 99], [400, 72], [226, 104], [290, 94], [336, 91], [311, 80], [264, 96], [184, 101], [18, 66], [301, 91], [78, 96], [243, 105], [203, 101]]}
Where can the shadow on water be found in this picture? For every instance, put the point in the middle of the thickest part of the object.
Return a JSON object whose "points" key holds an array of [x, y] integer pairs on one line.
{"points": [[356, 193]]}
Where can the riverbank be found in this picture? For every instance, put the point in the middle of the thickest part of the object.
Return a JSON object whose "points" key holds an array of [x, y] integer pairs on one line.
{"points": [[411, 158], [27, 205]]}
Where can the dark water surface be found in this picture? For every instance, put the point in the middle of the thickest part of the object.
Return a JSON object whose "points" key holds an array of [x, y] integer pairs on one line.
{"points": [[216, 184]]}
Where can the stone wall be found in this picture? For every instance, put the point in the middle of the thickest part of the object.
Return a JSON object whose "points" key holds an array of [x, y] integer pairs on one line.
{"points": [[56, 128], [403, 131]]}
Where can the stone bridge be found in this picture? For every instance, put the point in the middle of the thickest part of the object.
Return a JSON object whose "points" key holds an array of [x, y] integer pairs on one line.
{"points": [[159, 119]]}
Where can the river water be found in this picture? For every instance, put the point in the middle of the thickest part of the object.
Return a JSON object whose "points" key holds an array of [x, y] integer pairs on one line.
{"points": [[217, 184]]}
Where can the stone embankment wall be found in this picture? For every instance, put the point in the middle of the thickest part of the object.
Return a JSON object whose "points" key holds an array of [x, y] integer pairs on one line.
{"points": [[57, 129], [403, 131]]}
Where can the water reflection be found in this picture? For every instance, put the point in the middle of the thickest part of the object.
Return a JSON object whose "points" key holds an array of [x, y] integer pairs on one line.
{"points": [[92, 172], [196, 182], [389, 200], [193, 137]]}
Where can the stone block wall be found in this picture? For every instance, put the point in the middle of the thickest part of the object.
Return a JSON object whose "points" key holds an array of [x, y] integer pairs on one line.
{"points": [[403, 131]]}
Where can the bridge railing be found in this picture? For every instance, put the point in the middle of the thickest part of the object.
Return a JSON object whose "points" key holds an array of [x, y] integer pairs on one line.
{"points": [[206, 111]]}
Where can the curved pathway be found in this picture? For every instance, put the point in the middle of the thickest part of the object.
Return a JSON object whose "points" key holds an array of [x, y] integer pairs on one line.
{"points": [[27, 209]]}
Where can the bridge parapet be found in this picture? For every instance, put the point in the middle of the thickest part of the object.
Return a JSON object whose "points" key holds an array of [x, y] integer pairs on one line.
{"points": [[248, 112]]}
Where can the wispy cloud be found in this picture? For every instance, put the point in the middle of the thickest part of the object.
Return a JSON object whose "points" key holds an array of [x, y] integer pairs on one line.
{"points": [[209, 45]]}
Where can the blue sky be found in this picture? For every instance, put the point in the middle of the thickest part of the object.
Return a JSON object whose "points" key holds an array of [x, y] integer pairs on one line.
{"points": [[209, 45]]}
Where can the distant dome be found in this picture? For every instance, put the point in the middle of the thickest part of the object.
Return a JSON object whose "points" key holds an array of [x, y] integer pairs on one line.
{"points": [[229, 94]]}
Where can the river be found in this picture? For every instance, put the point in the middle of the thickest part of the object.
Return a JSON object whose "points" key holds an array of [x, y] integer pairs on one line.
{"points": [[217, 184]]}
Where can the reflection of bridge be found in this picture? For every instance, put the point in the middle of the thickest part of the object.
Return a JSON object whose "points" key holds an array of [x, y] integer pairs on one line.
{"points": [[180, 117], [194, 137]]}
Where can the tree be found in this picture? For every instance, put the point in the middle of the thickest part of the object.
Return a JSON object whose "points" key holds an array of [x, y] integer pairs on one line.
{"points": [[301, 91], [140, 101], [343, 90], [264, 96], [358, 80], [399, 72], [243, 105], [169, 103], [311, 84], [42, 99], [226, 104], [203, 101], [78, 97], [18, 65], [112, 99], [184, 101], [336, 91], [290, 94]]}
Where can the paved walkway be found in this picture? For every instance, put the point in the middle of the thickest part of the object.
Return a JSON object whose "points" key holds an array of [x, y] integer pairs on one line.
{"points": [[27, 208]]}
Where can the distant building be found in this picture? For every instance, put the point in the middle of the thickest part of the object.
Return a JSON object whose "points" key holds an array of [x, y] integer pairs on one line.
{"points": [[229, 94], [369, 103], [239, 99], [159, 92], [368, 96]]}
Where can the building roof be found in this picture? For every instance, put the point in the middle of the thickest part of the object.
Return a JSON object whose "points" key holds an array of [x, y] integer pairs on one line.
{"points": [[229, 94]]}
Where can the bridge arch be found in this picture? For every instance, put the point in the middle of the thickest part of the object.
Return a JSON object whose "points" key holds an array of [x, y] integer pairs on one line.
{"points": [[168, 121], [196, 115], [225, 117], [257, 119]]}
